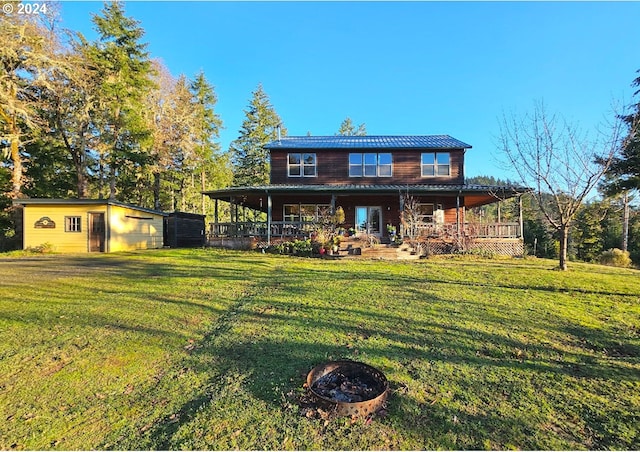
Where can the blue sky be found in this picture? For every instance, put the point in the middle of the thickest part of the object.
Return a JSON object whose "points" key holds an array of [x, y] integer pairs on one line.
{"points": [[416, 68]]}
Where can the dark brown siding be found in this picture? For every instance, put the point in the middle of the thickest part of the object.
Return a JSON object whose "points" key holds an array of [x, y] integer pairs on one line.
{"points": [[333, 168], [390, 205]]}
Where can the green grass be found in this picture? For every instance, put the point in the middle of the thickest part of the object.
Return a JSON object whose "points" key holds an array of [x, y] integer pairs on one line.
{"points": [[209, 349]]}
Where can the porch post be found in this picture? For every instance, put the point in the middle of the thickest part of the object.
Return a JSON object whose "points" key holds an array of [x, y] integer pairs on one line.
{"points": [[401, 203], [458, 213], [234, 215], [333, 204], [215, 218], [269, 218], [520, 220]]}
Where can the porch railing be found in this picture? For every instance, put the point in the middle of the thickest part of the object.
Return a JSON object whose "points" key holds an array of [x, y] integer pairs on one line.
{"points": [[302, 229], [260, 229], [475, 230]]}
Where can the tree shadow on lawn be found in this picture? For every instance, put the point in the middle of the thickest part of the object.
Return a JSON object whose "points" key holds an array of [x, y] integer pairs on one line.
{"points": [[137, 265], [502, 284], [273, 364]]}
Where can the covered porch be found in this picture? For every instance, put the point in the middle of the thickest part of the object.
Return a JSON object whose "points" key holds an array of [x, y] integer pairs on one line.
{"points": [[276, 212]]}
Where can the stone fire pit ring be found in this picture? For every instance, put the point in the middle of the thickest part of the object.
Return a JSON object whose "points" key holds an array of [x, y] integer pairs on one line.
{"points": [[348, 388]]}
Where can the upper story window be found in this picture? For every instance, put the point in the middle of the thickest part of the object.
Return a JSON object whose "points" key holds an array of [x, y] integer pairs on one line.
{"points": [[436, 164], [302, 165], [370, 165]]}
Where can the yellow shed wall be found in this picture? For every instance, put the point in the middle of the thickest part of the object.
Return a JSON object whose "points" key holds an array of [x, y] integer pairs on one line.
{"points": [[132, 229], [127, 229], [63, 242]]}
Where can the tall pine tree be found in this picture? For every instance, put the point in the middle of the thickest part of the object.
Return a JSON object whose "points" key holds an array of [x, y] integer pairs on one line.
{"points": [[624, 173], [348, 128], [250, 158], [124, 68], [212, 166]]}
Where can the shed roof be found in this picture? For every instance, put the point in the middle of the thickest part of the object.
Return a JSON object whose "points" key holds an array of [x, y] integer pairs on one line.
{"points": [[71, 202], [369, 142]]}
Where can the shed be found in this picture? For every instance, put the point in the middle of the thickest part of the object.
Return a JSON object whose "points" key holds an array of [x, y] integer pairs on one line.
{"points": [[89, 225], [184, 230]]}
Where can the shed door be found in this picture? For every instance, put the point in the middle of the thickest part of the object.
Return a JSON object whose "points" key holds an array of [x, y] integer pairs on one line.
{"points": [[96, 232]]}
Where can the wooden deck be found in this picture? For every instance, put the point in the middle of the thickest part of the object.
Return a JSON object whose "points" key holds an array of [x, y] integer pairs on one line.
{"points": [[354, 248], [296, 229]]}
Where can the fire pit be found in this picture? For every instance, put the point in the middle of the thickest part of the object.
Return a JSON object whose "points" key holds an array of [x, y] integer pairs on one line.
{"points": [[348, 388]]}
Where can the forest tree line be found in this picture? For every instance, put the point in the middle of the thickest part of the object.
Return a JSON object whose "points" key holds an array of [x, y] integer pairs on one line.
{"points": [[103, 119]]}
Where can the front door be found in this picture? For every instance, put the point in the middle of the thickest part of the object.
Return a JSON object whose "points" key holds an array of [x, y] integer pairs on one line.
{"points": [[96, 232], [369, 219]]}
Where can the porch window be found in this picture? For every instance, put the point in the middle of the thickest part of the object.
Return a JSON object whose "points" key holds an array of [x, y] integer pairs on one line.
{"points": [[370, 165], [426, 212], [304, 212], [436, 164], [72, 224], [291, 212], [302, 165]]}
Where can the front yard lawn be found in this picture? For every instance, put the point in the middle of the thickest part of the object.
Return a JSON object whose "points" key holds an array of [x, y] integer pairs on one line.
{"points": [[209, 349]]}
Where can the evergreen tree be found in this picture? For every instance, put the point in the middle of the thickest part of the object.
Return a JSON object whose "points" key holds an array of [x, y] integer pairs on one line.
{"points": [[624, 172], [212, 166], [124, 70], [250, 158], [347, 128], [634, 237], [26, 55], [48, 168], [70, 107], [587, 236]]}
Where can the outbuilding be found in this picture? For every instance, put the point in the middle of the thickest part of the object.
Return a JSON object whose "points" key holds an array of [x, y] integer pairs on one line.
{"points": [[89, 225]]}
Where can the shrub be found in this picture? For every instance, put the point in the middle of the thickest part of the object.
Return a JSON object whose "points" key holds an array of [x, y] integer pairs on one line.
{"points": [[615, 258], [297, 247], [44, 248], [303, 247]]}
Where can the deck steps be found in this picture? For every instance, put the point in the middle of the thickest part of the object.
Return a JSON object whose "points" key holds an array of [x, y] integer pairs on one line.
{"points": [[354, 248]]}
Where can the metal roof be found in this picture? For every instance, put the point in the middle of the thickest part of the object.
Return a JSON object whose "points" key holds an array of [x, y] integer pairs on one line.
{"points": [[369, 142], [379, 188], [71, 202]]}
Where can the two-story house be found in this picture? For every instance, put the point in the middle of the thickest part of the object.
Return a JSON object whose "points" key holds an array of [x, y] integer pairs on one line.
{"points": [[370, 177]]}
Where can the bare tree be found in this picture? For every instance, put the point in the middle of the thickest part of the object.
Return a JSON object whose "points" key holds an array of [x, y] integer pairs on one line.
{"points": [[561, 164]]}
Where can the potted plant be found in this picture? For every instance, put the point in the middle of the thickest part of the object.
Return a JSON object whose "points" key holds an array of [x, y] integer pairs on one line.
{"points": [[336, 244], [391, 230]]}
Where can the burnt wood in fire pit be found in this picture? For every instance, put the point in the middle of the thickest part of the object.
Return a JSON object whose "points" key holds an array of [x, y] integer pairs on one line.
{"points": [[348, 387]]}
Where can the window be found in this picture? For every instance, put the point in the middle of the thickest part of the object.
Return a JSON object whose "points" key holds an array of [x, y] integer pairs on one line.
{"points": [[384, 165], [291, 212], [436, 164], [304, 212], [370, 165], [302, 165], [355, 165], [72, 224], [427, 212]]}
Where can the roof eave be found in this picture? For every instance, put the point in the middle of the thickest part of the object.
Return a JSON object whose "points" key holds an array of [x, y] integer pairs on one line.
{"points": [[55, 201]]}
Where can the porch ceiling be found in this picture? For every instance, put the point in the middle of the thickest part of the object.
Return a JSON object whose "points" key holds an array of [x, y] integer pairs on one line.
{"points": [[474, 195]]}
